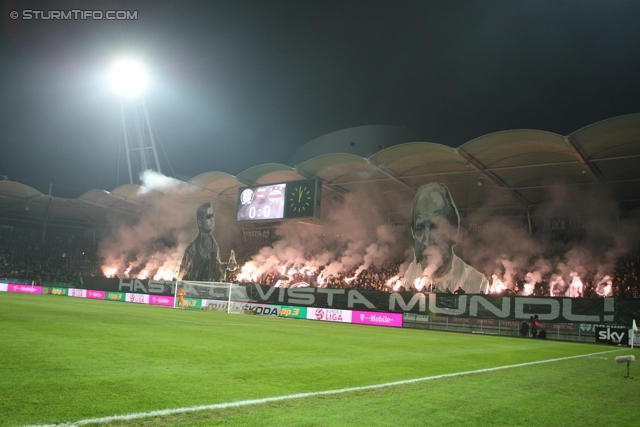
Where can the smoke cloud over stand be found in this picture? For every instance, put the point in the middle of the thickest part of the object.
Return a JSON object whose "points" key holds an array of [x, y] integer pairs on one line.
{"points": [[577, 238], [151, 242], [578, 235], [354, 234]]}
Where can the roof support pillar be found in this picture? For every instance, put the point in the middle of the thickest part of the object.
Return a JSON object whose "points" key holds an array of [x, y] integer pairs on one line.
{"points": [[589, 167], [391, 174], [495, 179]]}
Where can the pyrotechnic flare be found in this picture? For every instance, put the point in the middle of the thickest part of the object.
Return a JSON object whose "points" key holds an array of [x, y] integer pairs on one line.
{"points": [[496, 285], [557, 286], [603, 288], [575, 288], [350, 279]]}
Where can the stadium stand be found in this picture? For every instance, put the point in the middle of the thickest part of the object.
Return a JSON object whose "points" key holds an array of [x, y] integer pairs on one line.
{"points": [[63, 257]]}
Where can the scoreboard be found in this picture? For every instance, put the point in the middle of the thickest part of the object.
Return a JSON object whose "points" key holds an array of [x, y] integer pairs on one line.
{"points": [[293, 199]]}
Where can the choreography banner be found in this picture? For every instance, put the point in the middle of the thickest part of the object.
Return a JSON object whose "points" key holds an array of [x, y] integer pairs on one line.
{"points": [[138, 286], [160, 287], [559, 310]]}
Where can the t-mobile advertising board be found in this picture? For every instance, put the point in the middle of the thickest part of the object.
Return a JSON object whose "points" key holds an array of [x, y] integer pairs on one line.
{"points": [[95, 294], [27, 289], [377, 319], [161, 300]]}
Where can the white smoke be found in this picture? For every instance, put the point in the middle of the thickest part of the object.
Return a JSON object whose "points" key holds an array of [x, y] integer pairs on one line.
{"points": [[352, 236], [151, 244], [154, 181], [595, 240]]}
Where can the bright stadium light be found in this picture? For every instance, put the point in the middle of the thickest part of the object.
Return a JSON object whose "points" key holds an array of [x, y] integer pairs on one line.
{"points": [[128, 78]]}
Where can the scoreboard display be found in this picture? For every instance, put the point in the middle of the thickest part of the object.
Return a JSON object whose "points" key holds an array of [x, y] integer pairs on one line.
{"points": [[294, 199]]}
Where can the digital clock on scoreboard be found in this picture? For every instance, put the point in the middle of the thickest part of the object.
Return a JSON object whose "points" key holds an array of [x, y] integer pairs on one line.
{"points": [[294, 199]]}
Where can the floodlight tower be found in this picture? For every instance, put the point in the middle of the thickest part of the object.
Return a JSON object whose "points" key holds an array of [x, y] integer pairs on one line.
{"points": [[129, 79]]}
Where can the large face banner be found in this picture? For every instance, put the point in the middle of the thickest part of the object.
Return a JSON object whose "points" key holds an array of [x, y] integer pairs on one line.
{"points": [[201, 260], [434, 226]]}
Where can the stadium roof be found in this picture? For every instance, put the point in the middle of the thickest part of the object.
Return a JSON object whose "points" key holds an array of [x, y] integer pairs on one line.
{"points": [[513, 169]]}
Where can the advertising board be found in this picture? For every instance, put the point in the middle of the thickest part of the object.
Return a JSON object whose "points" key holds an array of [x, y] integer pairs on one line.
{"points": [[115, 296], [95, 294], [262, 309], [78, 293], [160, 300], [27, 289], [59, 291], [213, 304], [293, 312], [329, 315], [612, 335], [420, 318], [195, 303], [377, 319], [137, 298]]}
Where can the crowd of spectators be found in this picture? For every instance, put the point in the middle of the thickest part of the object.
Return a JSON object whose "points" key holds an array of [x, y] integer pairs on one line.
{"points": [[622, 282], [63, 257], [371, 278], [27, 255]]}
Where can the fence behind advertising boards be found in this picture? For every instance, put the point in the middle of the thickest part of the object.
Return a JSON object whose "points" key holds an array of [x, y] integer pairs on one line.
{"points": [[583, 332]]}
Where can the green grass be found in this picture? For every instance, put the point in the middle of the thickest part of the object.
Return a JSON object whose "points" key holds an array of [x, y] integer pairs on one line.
{"points": [[68, 359]]}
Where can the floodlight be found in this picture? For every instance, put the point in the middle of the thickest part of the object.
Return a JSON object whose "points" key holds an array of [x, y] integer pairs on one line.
{"points": [[128, 78]]}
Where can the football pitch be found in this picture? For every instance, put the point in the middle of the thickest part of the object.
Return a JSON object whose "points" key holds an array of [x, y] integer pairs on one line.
{"points": [[89, 362]]}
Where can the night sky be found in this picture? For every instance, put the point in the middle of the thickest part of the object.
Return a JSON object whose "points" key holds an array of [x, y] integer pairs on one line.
{"points": [[234, 84]]}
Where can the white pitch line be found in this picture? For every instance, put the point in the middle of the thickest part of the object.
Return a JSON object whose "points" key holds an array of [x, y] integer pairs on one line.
{"points": [[164, 412]]}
